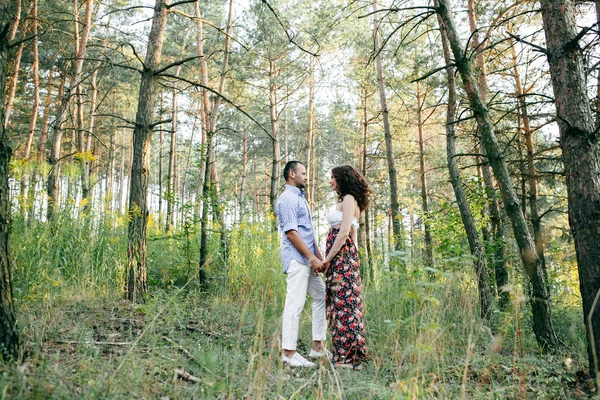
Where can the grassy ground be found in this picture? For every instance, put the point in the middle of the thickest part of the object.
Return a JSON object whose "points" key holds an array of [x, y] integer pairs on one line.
{"points": [[424, 338], [86, 345]]}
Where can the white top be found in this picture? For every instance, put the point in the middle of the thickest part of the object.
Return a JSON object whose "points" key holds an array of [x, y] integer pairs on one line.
{"points": [[335, 218]]}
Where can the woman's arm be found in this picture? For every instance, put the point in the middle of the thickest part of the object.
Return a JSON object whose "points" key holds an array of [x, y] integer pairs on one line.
{"points": [[348, 209]]}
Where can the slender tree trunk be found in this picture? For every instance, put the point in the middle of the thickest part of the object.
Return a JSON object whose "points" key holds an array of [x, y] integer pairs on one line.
{"points": [[57, 130], [394, 204], [536, 220], [579, 144], [36, 84], [88, 157], [497, 257], [9, 333], [34, 111], [365, 230], [206, 202], [14, 80], [204, 103], [210, 116], [172, 178], [161, 138], [137, 285], [310, 159], [186, 172], [110, 170], [242, 196], [540, 301], [122, 186], [428, 250], [475, 245], [276, 155]]}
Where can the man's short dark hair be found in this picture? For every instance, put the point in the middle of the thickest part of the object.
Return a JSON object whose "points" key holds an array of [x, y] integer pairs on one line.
{"points": [[291, 165]]}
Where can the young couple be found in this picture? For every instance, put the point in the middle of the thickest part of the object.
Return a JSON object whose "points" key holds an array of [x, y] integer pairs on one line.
{"points": [[339, 300]]}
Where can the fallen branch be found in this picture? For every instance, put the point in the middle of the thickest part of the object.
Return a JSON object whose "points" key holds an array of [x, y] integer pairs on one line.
{"points": [[180, 347], [93, 342], [179, 373], [202, 331]]}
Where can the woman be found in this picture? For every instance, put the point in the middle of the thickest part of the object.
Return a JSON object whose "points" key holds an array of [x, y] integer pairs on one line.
{"points": [[342, 268]]}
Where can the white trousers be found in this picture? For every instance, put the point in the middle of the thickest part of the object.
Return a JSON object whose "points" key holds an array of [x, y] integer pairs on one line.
{"points": [[300, 280]]}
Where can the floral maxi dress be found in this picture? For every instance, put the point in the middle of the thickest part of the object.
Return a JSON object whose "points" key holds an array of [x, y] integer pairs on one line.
{"points": [[344, 305]]}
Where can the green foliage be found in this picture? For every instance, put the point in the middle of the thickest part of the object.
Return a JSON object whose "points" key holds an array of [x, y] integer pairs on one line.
{"points": [[424, 337]]}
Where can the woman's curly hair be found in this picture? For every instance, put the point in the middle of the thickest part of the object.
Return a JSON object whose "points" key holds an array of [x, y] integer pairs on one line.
{"points": [[351, 181]]}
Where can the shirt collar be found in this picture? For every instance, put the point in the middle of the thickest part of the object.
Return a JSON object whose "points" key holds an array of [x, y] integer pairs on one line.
{"points": [[295, 190]]}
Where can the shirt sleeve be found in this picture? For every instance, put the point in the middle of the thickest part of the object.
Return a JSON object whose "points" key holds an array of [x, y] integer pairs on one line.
{"points": [[287, 212]]}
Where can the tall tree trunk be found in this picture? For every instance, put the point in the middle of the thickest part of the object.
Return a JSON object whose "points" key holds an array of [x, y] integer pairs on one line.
{"points": [[394, 204], [242, 195], [14, 80], [540, 302], [497, 257], [276, 155], [137, 285], [428, 250], [365, 227], [88, 157], [186, 172], [536, 219], [34, 110], [206, 202], [475, 245], [172, 178], [210, 115], [57, 130], [41, 149], [579, 144], [110, 170], [161, 138], [310, 159], [9, 334], [122, 186]]}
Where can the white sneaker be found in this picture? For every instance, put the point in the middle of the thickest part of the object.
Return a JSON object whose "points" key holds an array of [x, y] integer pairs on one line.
{"points": [[320, 354], [296, 360]]}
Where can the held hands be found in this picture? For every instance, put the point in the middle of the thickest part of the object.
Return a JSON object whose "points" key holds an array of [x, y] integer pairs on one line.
{"points": [[319, 266], [316, 264]]}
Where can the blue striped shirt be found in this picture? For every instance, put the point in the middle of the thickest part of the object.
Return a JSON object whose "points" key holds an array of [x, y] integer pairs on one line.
{"points": [[293, 214]]}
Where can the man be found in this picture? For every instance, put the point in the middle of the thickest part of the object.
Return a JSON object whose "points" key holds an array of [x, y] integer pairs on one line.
{"points": [[301, 259]]}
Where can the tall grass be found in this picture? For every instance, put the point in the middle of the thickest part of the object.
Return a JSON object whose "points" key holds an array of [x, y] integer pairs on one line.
{"points": [[424, 338]]}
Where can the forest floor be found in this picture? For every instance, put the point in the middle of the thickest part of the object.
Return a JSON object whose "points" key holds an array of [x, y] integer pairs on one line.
{"points": [[88, 344]]}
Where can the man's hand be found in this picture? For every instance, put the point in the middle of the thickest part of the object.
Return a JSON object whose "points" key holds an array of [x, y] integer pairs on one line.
{"points": [[325, 266], [316, 264]]}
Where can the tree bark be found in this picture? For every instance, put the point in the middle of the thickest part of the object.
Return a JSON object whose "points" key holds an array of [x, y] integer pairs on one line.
{"points": [[57, 131], [14, 80], [579, 144], [475, 245], [310, 159], [137, 285], [394, 204], [498, 244], [536, 220], [276, 155], [428, 250], [172, 178], [210, 114], [9, 333], [25, 180], [540, 302], [242, 195]]}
